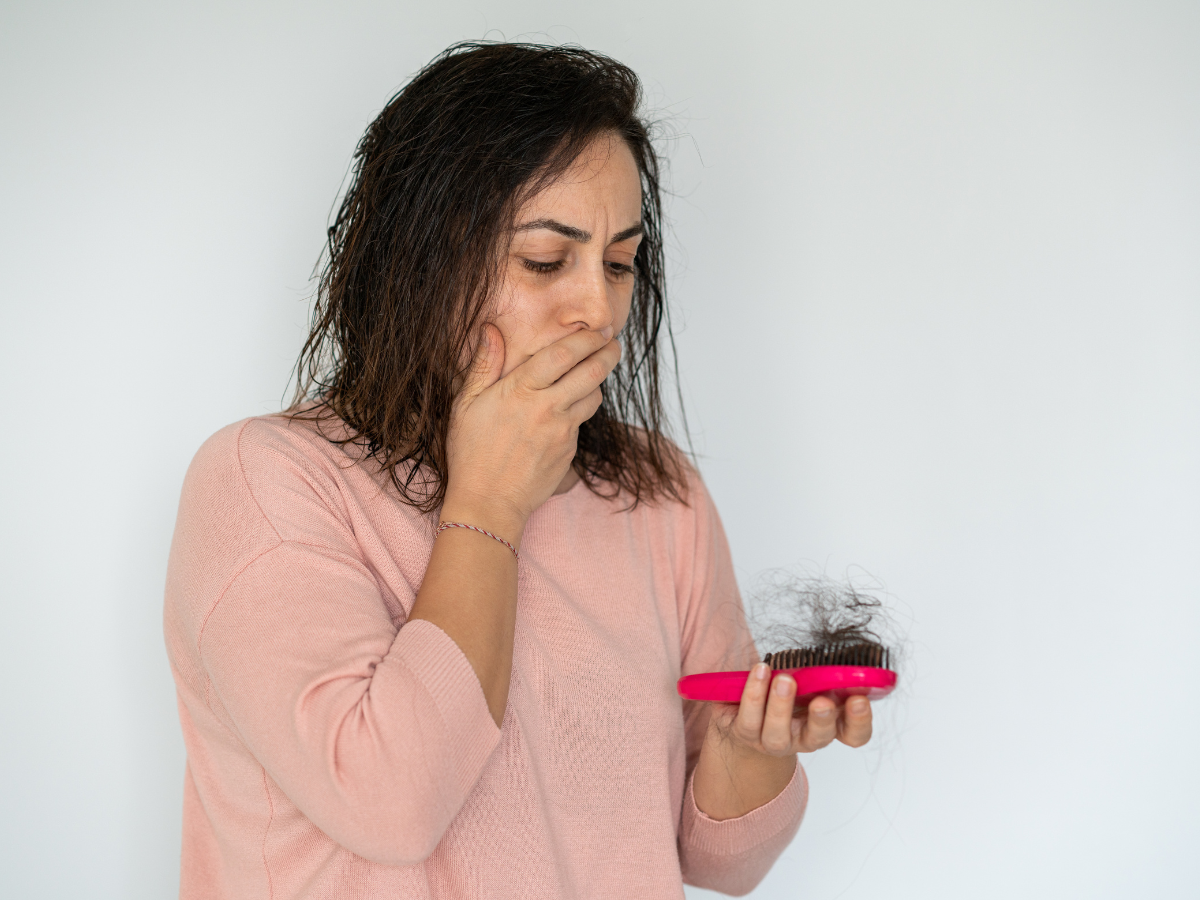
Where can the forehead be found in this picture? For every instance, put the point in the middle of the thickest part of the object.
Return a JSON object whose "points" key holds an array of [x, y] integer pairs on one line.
{"points": [[603, 179]]}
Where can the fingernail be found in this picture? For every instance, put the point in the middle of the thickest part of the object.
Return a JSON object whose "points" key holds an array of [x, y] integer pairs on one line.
{"points": [[823, 712], [606, 332], [859, 707], [761, 671], [782, 686]]}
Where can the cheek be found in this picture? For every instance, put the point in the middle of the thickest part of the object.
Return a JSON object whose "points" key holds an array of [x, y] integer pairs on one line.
{"points": [[523, 301], [519, 314], [621, 307]]}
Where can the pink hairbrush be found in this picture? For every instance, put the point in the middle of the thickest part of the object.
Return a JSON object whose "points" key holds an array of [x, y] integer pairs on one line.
{"points": [[841, 671]]}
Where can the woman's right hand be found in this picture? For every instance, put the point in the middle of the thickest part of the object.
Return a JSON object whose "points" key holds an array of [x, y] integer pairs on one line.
{"points": [[512, 438]]}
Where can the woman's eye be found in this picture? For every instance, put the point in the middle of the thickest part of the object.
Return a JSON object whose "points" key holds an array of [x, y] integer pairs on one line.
{"points": [[542, 268], [616, 269]]}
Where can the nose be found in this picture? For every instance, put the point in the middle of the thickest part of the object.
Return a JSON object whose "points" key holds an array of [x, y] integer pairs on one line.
{"points": [[590, 304]]}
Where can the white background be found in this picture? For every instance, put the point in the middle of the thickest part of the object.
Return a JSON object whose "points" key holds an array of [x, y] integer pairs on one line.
{"points": [[936, 275]]}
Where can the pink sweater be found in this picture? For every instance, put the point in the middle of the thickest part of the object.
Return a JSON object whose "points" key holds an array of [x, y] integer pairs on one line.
{"points": [[336, 752]]}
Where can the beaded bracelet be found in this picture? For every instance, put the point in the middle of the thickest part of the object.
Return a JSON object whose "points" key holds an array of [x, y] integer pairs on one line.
{"points": [[442, 526]]}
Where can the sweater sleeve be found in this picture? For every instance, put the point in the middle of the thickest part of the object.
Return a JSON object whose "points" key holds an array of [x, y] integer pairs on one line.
{"points": [[732, 855], [375, 731]]}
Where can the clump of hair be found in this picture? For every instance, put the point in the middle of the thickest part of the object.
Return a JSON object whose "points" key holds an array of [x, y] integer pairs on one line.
{"points": [[804, 621]]}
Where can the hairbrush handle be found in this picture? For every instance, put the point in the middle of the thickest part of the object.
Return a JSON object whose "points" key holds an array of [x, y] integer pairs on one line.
{"points": [[839, 681]]}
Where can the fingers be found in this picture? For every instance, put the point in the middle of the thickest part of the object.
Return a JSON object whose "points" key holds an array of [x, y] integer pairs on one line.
{"points": [[747, 725], [488, 363], [777, 724], [578, 392], [764, 717], [818, 726], [551, 363], [854, 726]]}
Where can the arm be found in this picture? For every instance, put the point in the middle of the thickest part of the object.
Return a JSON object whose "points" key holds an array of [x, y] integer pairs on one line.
{"points": [[511, 442], [377, 734], [746, 792], [749, 751]]}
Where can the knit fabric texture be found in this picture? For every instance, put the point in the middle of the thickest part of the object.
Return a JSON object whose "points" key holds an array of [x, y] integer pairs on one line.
{"points": [[334, 751]]}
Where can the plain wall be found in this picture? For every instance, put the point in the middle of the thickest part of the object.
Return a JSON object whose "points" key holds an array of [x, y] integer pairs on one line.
{"points": [[936, 283]]}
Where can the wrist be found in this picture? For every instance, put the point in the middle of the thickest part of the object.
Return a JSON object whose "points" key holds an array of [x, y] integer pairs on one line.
{"points": [[738, 756], [490, 514], [732, 779]]}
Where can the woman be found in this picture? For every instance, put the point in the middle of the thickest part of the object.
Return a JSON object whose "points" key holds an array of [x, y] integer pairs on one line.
{"points": [[376, 706]]}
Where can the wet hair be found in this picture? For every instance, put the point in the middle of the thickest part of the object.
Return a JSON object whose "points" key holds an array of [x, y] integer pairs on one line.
{"points": [[414, 259], [815, 620]]}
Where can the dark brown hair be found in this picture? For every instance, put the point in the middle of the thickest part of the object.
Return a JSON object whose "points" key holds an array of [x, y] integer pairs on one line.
{"points": [[414, 255], [810, 619]]}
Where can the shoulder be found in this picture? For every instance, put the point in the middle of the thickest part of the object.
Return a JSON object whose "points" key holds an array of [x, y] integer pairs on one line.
{"points": [[683, 496], [219, 530], [284, 473], [684, 519], [253, 440], [215, 488], [664, 474], [251, 487]]}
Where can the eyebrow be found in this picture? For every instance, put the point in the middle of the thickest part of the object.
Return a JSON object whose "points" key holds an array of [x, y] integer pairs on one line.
{"points": [[578, 234]]}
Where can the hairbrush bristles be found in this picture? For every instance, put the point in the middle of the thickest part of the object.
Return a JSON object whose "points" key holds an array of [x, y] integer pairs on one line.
{"points": [[858, 653]]}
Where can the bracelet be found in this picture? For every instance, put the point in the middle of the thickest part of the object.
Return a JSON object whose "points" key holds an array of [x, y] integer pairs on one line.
{"points": [[442, 526]]}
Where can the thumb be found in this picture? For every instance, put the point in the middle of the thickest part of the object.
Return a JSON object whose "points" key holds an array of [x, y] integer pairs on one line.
{"points": [[488, 364]]}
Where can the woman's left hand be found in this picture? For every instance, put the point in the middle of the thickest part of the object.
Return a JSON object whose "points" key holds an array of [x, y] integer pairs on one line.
{"points": [[763, 722], [749, 752]]}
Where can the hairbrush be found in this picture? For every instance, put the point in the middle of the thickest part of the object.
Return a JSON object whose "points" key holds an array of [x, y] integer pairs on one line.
{"points": [[839, 671]]}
